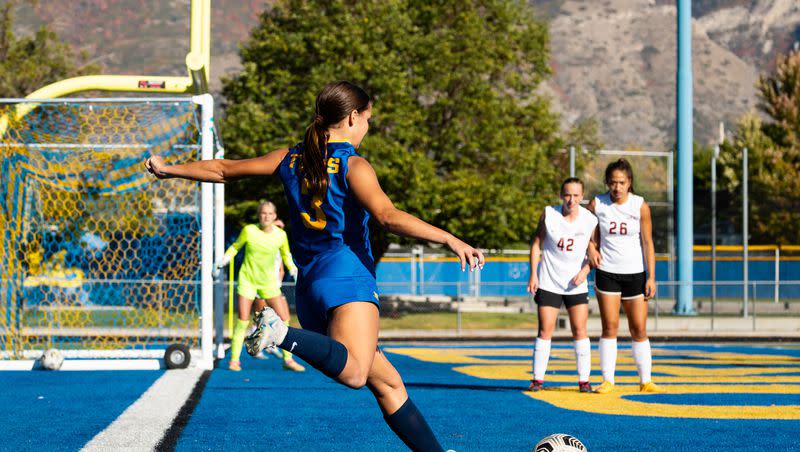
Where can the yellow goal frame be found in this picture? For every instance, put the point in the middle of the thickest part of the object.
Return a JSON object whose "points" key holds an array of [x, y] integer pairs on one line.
{"points": [[198, 62]]}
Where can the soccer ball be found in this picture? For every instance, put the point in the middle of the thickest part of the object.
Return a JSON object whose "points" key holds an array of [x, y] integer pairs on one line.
{"points": [[51, 359], [559, 442]]}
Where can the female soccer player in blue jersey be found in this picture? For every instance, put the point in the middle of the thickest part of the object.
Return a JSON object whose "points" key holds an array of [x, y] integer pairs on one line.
{"points": [[331, 193]]}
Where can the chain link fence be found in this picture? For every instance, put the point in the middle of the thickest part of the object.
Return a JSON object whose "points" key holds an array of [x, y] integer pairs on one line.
{"points": [[424, 293]]}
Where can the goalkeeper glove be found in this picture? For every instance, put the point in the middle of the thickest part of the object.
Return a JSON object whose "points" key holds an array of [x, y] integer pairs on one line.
{"points": [[221, 263]]}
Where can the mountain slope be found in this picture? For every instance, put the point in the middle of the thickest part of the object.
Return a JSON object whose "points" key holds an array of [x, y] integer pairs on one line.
{"points": [[612, 59]]}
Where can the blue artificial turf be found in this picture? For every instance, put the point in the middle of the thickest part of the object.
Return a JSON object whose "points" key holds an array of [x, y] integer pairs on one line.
{"points": [[64, 410], [266, 408]]}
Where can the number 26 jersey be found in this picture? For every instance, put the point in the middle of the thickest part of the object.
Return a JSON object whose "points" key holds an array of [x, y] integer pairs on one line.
{"points": [[620, 240]]}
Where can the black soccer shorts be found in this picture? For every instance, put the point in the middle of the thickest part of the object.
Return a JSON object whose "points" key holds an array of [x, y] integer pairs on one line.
{"points": [[628, 287], [555, 300]]}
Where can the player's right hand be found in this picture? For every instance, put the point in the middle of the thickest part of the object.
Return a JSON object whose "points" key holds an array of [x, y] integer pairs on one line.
{"points": [[533, 284], [219, 265], [156, 165], [594, 257], [466, 254]]}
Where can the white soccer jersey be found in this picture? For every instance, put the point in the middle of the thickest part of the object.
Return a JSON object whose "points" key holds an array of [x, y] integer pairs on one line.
{"points": [[564, 250], [620, 238]]}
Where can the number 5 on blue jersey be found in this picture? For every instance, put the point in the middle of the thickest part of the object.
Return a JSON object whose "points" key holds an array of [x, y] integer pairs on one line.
{"points": [[316, 200]]}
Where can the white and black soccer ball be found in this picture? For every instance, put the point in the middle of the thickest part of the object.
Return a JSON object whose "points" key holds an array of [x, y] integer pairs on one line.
{"points": [[51, 359], [559, 442]]}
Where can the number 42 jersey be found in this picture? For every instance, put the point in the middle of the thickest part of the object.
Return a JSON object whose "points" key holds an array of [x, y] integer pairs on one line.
{"points": [[564, 250]]}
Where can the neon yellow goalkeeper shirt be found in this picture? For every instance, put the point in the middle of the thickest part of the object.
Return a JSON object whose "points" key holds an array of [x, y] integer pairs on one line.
{"points": [[259, 266]]}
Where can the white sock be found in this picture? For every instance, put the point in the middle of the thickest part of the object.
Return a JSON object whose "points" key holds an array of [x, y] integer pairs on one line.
{"points": [[541, 354], [643, 358], [608, 358], [583, 358]]}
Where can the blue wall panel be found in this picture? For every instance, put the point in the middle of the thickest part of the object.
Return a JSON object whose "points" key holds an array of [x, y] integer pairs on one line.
{"points": [[510, 278]]}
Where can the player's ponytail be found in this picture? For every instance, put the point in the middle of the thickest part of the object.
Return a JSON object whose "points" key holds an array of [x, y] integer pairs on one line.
{"points": [[334, 103], [316, 139]]}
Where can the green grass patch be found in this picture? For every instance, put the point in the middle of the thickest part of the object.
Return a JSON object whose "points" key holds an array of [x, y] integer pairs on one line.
{"points": [[107, 318]]}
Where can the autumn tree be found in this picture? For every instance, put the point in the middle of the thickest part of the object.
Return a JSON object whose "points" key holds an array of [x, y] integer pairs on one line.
{"points": [[460, 135], [773, 156]]}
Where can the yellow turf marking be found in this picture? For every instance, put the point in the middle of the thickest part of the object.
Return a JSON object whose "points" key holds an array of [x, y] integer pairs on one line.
{"points": [[613, 403], [757, 371], [522, 372]]}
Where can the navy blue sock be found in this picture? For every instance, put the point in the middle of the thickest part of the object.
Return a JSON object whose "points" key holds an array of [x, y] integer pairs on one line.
{"points": [[321, 352], [410, 426]]}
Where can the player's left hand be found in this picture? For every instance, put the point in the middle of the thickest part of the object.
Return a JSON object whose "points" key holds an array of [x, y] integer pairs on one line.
{"points": [[579, 278], [467, 255], [649, 288], [293, 274]]}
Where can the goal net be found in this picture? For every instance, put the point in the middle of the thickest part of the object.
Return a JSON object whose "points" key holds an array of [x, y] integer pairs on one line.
{"points": [[98, 258]]}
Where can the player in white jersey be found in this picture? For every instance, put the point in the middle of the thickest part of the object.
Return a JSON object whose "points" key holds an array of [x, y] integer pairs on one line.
{"points": [[621, 247], [559, 277]]}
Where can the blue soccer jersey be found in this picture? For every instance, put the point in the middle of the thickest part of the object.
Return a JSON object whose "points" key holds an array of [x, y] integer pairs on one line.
{"points": [[329, 239]]}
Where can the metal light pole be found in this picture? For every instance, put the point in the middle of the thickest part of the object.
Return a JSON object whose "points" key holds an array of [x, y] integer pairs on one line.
{"points": [[684, 304], [714, 157], [745, 250], [572, 161]]}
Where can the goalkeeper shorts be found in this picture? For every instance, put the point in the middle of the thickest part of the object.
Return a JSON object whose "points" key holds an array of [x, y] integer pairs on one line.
{"points": [[251, 291]]}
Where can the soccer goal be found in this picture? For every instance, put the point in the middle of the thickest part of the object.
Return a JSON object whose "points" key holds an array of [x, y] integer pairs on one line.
{"points": [[99, 259]]}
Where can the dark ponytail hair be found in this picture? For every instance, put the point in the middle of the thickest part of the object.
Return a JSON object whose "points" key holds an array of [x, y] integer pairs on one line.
{"points": [[620, 165], [335, 102]]}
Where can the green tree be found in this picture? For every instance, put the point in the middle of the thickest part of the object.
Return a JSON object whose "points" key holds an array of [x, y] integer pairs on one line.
{"points": [[780, 99], [28, 63], [460, 136], [773, 156]]}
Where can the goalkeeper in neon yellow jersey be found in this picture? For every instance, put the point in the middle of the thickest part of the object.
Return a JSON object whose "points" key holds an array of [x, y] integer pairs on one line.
{"points": [[259, 281]]}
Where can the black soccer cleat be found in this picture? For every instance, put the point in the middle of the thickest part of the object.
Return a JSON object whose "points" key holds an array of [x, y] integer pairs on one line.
{"points": [[536, 386]]}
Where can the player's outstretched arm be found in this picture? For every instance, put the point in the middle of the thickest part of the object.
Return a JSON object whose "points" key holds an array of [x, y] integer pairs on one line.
{"points": [[220, 171], [364, 183]]}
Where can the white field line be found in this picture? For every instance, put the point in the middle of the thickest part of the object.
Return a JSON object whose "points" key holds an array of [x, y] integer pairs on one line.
{"points": [[142, 425]]}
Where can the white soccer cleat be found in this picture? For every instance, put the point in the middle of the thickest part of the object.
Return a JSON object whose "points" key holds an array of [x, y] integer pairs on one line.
{"points": [[270, 330], [276, 352]]}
